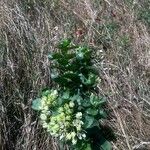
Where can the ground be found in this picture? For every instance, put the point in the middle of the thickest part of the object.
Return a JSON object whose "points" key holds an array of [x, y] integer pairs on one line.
{"points": [[118, 33]]}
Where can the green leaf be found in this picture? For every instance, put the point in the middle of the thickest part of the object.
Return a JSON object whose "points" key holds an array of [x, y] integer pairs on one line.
{"points": [[61, 145], [94, 132], [60, 80], [64, 44], [46, 92], [107, 132], [102, 101], [36, 104], [96, 101], [77, 98], [54, 75], [89, 120], [82, 78], [101, 144], [71, 76], [60, 101], [74, 97], [106, 145], [99, 141], [92, 78], [86, 103], [80, 55], [102, 114], [66, 95], [92, 111], [88, 81], [56, 56], [92, 69], [88, 147], [60, 59], [50, 56]]}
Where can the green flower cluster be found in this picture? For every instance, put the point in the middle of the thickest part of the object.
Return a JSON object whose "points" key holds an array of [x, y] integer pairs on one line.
{"points": [[48, 100], [72, 112], [64, 124]]}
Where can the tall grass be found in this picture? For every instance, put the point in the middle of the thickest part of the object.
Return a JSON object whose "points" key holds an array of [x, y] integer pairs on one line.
{"points": [[118, 33]]}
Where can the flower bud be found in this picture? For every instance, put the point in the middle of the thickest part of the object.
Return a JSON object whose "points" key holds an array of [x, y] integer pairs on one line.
{"points": [[71, 104], [68, 117], [43, 117], [74, 141], [78, 127], [54, 94], [68, 136], [73, 134], [60, 109], [84, 135], [45, 124], [44, 98], [79, 115]]}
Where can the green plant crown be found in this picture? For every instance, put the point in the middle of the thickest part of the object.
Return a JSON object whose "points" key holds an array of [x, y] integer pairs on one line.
{"points": [[71, 110]]}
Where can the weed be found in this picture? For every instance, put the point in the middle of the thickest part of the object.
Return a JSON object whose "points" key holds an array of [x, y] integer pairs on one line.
{"points": [[71, 110]]}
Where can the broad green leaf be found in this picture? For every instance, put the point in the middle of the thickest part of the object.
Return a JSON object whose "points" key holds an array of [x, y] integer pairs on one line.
{"points": [[92, 111], [92, 78], [96, 101], [71, 76], [92, 69], [63, 61], [84, 80], [102, 101], [36, 104], [74, 97], [61, 81], [82, 145], [88, 147], [89, 120], [46, 92], [94, 131], [64, 43], [106, 145], [108, 132], [102, 114], [102, 144], [66, 95], [77, 98], [59, 101], [50, 56], [56, 56], [84, 50], [89, 82], [86, 103], [80, 55]]}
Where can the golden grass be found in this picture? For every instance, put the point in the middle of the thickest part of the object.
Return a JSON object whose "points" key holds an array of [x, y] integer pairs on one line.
{"points": [[120, 40]]}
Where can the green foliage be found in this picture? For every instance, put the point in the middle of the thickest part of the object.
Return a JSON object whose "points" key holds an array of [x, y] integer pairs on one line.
{"points": [[143, 12], [36, 104], [144, 15], [72, 112]]}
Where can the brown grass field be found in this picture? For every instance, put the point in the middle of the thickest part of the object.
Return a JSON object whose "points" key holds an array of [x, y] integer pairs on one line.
{"points": [[117, 31]]}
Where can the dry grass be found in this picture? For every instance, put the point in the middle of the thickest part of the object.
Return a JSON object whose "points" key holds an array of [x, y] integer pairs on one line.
{"points": [[30, 29]]}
